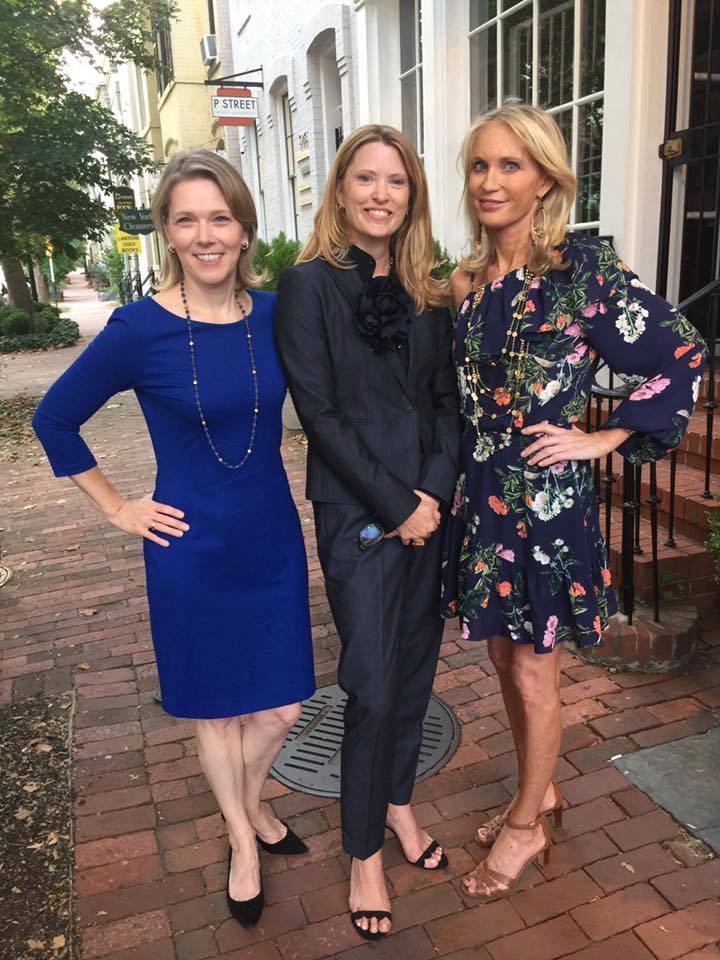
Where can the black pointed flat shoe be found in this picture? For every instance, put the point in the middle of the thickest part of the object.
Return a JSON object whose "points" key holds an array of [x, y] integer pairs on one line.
{"points": [[246, 912], [425, 855], [369, 914], [289, 846]]}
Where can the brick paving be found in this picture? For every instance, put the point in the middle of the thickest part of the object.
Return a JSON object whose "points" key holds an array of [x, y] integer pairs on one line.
{"points": [[623, 880]]}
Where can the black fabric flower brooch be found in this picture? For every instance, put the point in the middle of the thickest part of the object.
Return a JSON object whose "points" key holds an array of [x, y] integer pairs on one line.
{"points": [[384, 314]]}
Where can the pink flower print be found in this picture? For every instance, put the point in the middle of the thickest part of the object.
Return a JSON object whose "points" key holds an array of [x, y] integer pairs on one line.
{"points": [[550, 631], [650, 389], [458, 501], [574, 330], [496, 284], [535, 285], [501, 551], [559, 467], [597, 306], [465, 635], [578, 353]]}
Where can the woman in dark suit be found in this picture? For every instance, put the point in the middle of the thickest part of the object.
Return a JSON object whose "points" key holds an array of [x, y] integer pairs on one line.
{"points": [[366, 345]]}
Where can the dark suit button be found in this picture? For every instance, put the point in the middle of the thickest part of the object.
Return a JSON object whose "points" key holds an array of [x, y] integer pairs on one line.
{"points": [[410, 409]]}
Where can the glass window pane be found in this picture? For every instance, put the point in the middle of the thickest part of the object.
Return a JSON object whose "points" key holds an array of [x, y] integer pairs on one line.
{"points": [[555, 70], [564, 120], [592, 48], [408, 94], [483, 71], [517, 54], [407, 35], [590, 126], [481, 11]]}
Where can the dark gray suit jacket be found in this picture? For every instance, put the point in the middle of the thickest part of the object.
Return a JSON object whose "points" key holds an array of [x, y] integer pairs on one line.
{"points": [[379, 425]]}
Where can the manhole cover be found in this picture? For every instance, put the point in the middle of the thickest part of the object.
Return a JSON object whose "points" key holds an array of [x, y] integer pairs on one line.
{"points": [[310, 759]]}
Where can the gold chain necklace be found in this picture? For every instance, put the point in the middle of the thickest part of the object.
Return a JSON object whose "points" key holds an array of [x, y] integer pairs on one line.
{"points": [[513, 355], [196, 383]]}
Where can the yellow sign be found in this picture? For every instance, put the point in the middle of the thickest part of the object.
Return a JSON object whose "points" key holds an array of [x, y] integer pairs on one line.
{"points": [[49, 249], [126, 242]]}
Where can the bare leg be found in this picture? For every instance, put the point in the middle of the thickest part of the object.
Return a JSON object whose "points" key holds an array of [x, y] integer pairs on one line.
{"points": [[368, 891], [220, 750], [503, 655], [413, 839], [536, 678], [263, 735]]}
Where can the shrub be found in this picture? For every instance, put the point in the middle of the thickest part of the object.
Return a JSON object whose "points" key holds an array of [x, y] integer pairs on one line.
{"points": [[713, 541], [14, 322], [273, 257], [444, 263], [63, 334]]}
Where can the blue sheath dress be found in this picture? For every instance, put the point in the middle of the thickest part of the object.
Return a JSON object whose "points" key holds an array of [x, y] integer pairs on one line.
{"points": [[228, 600]]}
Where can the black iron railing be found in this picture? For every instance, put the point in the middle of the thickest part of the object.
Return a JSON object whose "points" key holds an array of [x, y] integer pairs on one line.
{"points": [[605, 397], [133, 287]]}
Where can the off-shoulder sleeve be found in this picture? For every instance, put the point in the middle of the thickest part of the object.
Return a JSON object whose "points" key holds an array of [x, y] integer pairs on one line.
{"points": [[656, 349], [108, 366]]}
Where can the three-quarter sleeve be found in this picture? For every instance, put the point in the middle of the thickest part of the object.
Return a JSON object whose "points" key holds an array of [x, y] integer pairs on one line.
{"points": [[108, 366], [656, 349]]}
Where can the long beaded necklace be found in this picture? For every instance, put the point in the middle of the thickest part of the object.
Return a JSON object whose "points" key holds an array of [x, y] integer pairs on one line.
{"points": [[196, 383], [513, 354]]}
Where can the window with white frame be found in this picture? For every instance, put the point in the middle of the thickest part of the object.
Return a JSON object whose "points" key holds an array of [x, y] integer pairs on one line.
{"points": [[411, 92], [550, 53]]}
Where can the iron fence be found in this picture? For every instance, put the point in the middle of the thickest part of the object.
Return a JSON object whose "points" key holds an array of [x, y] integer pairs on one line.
{"points": [[701, 306]]}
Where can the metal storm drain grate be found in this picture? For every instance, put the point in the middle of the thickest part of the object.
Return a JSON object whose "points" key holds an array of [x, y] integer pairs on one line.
{"points": [[310, 759]]}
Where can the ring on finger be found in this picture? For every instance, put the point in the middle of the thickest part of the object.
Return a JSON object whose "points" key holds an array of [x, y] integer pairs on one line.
{"points": [[151, 526], [418, 542]]}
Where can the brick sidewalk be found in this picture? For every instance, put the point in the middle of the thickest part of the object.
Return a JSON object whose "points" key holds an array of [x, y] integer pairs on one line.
{"points": [[623, 882]]}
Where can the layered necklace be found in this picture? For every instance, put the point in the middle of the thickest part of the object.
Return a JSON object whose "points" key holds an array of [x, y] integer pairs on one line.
{"points": [[196, 383], [513, 355]]}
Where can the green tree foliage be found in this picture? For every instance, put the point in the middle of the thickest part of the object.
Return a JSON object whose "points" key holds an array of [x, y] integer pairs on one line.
{"points": [[272, 258], [60, 150]]}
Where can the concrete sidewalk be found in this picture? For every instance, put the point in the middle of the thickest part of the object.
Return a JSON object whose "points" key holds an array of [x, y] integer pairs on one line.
{"points": [[32, 373], [623, 880]]}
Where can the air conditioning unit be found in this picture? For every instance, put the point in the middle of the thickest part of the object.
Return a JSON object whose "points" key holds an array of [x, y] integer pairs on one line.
{"points": [[208, 49]]}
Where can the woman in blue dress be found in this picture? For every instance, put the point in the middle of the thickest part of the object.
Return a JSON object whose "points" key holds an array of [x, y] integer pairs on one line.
{"points": [[224, 554], [525, 566]]}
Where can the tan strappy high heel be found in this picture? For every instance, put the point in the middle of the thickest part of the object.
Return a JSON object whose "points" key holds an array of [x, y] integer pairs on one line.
{"points": [[488, 832], [487, 880]]}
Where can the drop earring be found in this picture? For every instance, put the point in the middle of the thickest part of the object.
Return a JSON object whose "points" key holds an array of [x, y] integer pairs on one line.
{"points": [[537, 230]]}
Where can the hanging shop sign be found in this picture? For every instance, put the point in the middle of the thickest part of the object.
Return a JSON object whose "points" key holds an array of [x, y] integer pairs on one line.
{"points": [[127, 243], [234, 107], [136, 220], [123, 198]]}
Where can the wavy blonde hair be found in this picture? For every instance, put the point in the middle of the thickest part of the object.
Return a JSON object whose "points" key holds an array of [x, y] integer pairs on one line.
{"points": [[412, 245], [540, 135], [205, 165]]}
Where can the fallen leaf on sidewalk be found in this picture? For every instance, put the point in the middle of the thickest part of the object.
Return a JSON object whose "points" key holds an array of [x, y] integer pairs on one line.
{"points": [[88, 612]]}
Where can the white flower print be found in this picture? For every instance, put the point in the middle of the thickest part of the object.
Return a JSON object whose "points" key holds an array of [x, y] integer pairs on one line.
{"points": [[540, 557], [696, 388], [552, 389], [631, 320]]}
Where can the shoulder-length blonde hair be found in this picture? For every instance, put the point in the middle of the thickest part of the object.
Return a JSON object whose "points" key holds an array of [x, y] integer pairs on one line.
{"points": [[205, 165], [541, 137], [412, 245]]}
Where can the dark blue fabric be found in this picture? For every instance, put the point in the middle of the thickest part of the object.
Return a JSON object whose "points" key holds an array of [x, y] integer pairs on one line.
{"points": [[229, 600], [524, 557]]}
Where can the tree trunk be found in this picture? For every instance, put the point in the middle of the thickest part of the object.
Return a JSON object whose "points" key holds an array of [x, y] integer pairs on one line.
{"points": [[18, 290], [41, 283]]}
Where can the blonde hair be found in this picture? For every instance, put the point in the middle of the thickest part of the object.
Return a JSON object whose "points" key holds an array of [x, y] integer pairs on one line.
{"points": [[412, 245], [541, 137], [206, 165]]}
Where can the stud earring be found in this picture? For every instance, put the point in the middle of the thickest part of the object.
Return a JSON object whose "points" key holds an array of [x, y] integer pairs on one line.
{"points": [[171, 248], [244, 245]]}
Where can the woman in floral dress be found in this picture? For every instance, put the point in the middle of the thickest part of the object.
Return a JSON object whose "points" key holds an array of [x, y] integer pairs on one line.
{"points": [[525, 566]]}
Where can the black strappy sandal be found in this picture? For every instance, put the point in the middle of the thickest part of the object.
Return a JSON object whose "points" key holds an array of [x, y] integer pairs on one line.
{"points": [[368, 915], [425, 855]]}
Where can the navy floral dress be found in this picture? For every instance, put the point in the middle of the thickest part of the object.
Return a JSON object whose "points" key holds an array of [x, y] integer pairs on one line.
{"points": [[524, 557]]}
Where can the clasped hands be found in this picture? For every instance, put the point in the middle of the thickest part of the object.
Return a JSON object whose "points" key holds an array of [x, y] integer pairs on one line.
{"points": [[421, 524]]}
